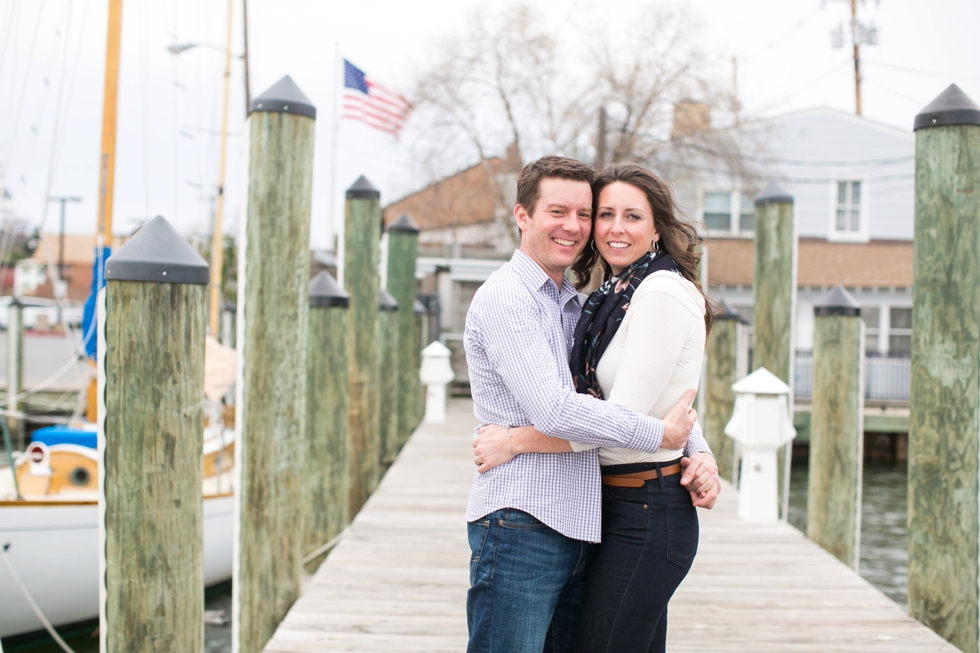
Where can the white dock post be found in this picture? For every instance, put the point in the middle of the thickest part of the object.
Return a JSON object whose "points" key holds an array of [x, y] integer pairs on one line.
{"points": [[435, 374], [761, 423]]}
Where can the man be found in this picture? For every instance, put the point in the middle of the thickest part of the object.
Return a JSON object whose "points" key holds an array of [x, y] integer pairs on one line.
{"points": [[533, 521]]}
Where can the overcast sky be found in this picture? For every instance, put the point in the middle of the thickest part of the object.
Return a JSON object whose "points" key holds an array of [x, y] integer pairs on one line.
{"points": [[169, 107]]}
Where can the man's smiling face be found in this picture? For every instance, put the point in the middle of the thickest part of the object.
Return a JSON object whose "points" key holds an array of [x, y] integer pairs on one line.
{"points": [[559, 226]]}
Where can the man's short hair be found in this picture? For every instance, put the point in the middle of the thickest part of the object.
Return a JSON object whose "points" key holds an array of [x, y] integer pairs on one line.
{"points": [[529, 183]]}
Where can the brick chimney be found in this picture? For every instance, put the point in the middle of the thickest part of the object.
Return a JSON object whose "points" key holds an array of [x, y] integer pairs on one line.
{"points": [[690, 117]]}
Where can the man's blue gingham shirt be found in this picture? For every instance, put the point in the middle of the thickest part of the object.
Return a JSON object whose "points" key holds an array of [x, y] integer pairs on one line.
{"points": [[518, 338]]}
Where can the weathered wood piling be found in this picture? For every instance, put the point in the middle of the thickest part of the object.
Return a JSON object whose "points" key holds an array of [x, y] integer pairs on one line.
{"points": [[389, 442], [422, 328], [727, 362], [273, 305], [403, 248], [15, 367], [362, 281], [774, 299], [944, 514], [325, 474], [153, 322], [837, 427]]}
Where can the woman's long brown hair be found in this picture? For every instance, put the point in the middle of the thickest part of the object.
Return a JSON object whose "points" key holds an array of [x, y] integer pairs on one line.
{"points": [[677, 237]]}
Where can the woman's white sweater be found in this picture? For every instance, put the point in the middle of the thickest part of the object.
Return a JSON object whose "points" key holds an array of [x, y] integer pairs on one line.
{"points": [[654, 357]]}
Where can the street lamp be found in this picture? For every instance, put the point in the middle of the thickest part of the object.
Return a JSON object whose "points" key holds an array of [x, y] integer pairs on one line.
{"points": [[177, 48], [217, 242]]}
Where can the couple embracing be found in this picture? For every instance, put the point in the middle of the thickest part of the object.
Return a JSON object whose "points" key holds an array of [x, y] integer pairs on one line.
{"points": [[586, 432]]}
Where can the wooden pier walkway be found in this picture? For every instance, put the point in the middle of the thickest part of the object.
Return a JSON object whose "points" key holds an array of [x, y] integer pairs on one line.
{"points": [[398, 581]]}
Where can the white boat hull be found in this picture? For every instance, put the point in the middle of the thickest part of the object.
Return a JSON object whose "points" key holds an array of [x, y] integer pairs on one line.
{"points": [[54, 550]]}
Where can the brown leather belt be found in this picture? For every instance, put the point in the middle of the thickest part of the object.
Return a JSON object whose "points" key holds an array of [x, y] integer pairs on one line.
{"points": [[640, 478]]}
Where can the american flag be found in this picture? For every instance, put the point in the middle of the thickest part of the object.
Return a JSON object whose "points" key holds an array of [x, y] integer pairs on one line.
{"points": [[373, 103]]}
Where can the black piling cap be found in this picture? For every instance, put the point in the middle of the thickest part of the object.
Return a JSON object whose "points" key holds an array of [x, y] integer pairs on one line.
{"points": [[951, 107], [157, 254], [284, 97], [773, 193], [363, 189], [386, 302], [403, 225], [420, 308], [228, 307], [728, 312], [837, 302], [325, 292]]}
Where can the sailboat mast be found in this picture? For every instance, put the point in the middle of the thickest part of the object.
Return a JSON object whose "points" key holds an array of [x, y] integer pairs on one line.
{"points": [[107, 159], [217, 240]]}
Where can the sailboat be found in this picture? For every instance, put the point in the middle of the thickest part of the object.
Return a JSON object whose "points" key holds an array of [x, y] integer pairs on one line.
{"points": [[49, 512]]}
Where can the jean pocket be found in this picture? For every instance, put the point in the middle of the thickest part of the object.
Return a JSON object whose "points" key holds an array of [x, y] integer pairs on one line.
{"points": [[682, 534], [477, 533]]}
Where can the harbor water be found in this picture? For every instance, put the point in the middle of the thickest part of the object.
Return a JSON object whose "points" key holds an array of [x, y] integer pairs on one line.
{"points": [[884, 524], [217, 638]]}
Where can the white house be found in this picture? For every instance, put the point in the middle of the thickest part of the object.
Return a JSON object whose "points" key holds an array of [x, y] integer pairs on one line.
{"points": [[852, 180]]}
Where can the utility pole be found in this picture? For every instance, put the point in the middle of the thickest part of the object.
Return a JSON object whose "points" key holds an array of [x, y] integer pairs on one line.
{"points": [[248, 92], [600, 145], [857, 58], [61, 237], [860, 34], [736, 106]]}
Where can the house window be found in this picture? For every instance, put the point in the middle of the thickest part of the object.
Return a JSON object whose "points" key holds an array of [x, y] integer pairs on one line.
{"points": [[900, 331], [746, 217], [718, 211], [848, 216], [871, 318], [729, 212]]}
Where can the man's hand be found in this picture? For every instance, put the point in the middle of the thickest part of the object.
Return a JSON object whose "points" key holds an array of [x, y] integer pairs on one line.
{"points": [[701, 479], [491, 448], [678, 421]]}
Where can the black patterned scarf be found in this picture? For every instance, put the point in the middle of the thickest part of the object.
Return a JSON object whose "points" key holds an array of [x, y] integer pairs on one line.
{"points": [[602, 314]]}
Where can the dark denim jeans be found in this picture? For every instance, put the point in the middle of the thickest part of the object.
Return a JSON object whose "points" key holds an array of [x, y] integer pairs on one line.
{"points": [[649, 539], [526, 583]]}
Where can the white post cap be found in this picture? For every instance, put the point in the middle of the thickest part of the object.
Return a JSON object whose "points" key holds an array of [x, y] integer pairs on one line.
{"points": [[761, 382]]}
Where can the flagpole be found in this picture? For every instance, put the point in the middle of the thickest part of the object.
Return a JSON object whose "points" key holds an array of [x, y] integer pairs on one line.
{"points": [[334, 235]]}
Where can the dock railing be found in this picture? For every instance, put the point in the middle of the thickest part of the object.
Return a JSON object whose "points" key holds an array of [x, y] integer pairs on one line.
{"points": [[887, 377]]}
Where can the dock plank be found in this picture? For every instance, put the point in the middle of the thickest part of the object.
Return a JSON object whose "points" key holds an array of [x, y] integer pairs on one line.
{"points": [[398, 582]]}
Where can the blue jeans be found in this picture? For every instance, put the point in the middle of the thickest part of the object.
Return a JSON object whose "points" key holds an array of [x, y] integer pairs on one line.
{"points": [[526, 584]]}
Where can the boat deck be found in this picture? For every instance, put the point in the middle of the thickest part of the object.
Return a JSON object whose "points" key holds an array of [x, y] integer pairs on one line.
{"points": [[398, 581]]}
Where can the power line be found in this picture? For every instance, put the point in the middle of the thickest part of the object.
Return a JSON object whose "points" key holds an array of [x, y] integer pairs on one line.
{"points": [[800, 162], [786, 179], [784, 36], [806, 87], [917, 71], [911, 100]]}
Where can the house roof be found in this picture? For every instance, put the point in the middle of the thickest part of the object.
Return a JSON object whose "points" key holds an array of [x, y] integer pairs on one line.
{"points": [[79, 248], [879, 263], [908, 134], [462, 199]]}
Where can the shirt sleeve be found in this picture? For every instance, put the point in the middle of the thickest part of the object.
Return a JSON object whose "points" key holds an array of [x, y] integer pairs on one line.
{"points": [[515, 341]]}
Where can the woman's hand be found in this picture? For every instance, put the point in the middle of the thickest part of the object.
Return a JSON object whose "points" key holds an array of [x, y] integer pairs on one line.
{"points": [[492, 447], [701, 479]]}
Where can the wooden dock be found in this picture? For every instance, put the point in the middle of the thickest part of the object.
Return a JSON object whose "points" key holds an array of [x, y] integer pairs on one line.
{"points": [[398, 581]]}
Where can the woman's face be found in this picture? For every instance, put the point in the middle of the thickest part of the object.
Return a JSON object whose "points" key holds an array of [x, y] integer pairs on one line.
{"points": [[624, 226]]}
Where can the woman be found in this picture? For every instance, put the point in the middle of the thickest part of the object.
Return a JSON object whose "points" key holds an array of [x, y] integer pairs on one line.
{"points": [[640, 343]]}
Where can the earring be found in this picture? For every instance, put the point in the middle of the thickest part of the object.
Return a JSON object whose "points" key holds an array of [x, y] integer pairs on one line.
{"points": [[592, 244], [656, 246]]}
